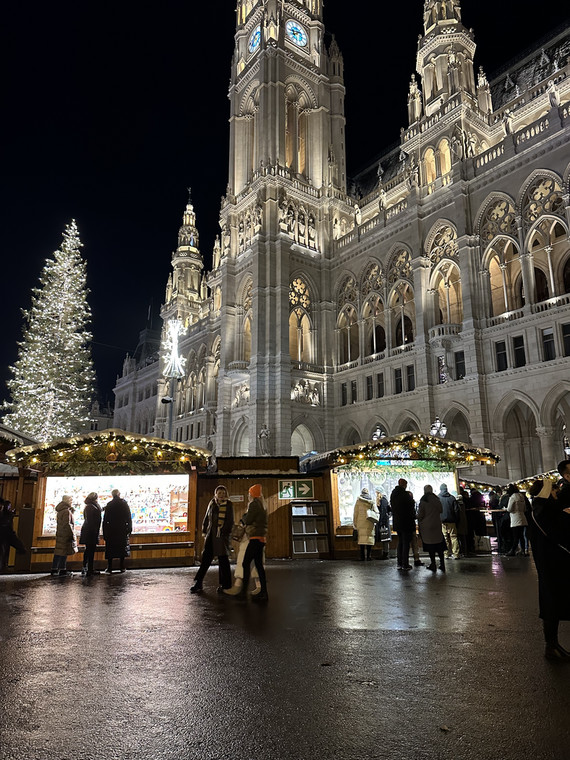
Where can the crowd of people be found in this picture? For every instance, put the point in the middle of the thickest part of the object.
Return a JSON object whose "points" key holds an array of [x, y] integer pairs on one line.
{"points": [[447, 526]]}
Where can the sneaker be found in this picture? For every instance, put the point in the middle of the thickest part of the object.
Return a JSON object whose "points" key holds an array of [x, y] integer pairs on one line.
{"points": [[108, 572], [418, 563], [256, 591], [196, 589], [455, 556], [65, 574]]}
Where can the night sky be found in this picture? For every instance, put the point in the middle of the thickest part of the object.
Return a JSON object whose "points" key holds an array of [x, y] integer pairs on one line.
{"points": [[112, 109]]}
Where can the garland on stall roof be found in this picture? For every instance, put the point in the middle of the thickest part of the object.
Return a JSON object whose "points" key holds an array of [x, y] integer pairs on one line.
{"points": [[413, 446], [109, 453]]}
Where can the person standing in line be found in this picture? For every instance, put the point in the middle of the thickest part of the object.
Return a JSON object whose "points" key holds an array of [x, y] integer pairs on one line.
{"points": [[255, 521], [516, 509], [364, 519], [549, 531], [117, 527], [216, 529], [382, 532], [429, 522], [414, 543], [449, 520], [8, 537], [462, 527], [403, 510], [89, 535], [65, 541]]}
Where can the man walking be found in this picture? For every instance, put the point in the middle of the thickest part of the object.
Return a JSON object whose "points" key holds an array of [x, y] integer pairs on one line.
{"points": [[449, 519], [402, 506]]}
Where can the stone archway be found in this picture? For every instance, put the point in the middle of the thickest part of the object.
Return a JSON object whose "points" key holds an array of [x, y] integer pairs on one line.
{"points": [[522, 444], [241, 441], [458, 428], [302, 441]]}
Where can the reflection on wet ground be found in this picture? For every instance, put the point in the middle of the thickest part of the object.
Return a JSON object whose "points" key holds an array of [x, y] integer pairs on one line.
{"points": [[348, 660]]}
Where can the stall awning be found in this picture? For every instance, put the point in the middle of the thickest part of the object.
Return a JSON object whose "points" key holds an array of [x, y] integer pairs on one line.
{"points": [[405, 446], [109, 451]]}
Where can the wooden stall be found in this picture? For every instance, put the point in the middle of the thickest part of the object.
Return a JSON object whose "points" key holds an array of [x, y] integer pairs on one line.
{"points": [[378, 464], [284, 487], [159, 480]]}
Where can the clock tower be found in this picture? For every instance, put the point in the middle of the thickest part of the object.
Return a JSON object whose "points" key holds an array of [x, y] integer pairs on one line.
{"points": [[286, 188]]}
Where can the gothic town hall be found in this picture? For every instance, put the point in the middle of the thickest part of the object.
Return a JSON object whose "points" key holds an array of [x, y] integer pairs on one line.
{"points": [[435, 283]]}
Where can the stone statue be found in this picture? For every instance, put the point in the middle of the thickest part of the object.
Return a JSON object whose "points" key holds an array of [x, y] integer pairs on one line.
{"points": [[263, 436], [382, 199], [357, 215], [508, 122], [553, 94]]}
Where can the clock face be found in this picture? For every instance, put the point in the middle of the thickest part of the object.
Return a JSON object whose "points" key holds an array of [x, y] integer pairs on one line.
{"points": [[254, 40], [296, 33]]}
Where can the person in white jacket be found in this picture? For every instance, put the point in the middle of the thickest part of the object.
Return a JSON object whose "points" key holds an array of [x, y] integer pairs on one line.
{"points": [[516, 509], [364, 521]]}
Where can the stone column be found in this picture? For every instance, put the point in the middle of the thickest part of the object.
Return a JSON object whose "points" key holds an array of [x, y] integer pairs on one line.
{"points": [[551, 449]]}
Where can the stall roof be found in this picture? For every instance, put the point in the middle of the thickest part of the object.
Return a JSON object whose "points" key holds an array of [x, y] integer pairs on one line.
{"points": [[405, 446], [109, 451]]}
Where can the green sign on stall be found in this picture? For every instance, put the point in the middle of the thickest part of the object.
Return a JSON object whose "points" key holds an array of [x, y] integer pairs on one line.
{"points": [[296, 489]]}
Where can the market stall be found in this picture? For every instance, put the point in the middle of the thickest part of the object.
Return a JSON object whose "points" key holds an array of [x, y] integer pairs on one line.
{"points": [[157, 478], [377, 465]]}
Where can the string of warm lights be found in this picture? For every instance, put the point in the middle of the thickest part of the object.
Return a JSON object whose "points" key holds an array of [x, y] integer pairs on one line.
{"points": [[109, 451], [409, 446]]}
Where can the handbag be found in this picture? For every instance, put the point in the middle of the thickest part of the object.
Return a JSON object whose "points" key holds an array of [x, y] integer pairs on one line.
{"points": [[237, 531], [372, 516]]}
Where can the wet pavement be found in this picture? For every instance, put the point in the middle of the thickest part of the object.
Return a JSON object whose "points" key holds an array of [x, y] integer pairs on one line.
{"points": [[347, 661]]}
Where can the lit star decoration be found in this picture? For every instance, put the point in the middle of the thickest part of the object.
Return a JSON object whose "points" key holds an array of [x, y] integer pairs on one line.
{"points": [[432, 451], [109, 451], [173, 362]]}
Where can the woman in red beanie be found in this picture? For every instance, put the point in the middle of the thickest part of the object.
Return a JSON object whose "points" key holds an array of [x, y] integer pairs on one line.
{"points": [[255, 521]]}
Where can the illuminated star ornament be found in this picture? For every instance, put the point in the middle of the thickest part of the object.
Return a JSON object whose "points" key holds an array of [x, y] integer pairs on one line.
{"points": [[173, 362]]}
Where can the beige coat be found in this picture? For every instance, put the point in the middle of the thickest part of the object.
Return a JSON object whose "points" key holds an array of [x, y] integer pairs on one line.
{"points": [[361, 523], [65, 541]]}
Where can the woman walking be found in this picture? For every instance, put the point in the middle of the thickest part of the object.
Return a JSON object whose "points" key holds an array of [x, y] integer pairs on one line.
{"points": [[89, 535], [429, 522], [216, 529]]}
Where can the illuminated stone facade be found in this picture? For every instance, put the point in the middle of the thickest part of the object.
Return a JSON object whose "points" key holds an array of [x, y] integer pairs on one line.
{"points": [[436, 283]]}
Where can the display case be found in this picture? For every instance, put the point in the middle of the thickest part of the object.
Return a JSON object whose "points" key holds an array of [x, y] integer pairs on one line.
{"points": [[310, 529]]}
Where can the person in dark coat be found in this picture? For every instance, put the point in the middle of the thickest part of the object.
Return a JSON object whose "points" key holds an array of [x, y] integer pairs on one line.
{"points": [[403, 511], [117, 527], [216, 529], [475, 518], [89, 535], [549, 532], [430, 510], [449, 520], [8, 537], [255, 521]]}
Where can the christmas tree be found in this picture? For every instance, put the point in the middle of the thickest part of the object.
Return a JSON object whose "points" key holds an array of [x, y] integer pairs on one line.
{"points": [[52, 383]]}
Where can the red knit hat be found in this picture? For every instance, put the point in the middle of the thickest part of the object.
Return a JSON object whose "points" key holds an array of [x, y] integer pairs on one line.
{"points": [[255, 491]]}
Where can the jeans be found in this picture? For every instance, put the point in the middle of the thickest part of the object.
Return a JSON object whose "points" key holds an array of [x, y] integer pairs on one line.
{"points": [[403, 550], [451, 539], [254, 553]]}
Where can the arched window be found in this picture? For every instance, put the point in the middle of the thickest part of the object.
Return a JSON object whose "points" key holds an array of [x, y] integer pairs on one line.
{"points": [[505, 278], [374, 327], [247, 339], [444, 157], [296, 130], [429, 166], [449, 309], [403, 310], [300, 348], [348, 335]]}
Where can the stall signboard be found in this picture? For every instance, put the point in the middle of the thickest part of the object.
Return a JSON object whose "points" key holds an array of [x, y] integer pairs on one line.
{"points": [[296, 489], [158, 503], [381, 477]]}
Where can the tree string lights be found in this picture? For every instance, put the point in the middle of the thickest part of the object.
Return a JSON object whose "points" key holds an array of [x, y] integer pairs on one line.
{"points": [[109, 452], [52, 383]]}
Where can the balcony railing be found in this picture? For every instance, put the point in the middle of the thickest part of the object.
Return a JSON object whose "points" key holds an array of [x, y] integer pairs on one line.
{"points": [[444, 331]]}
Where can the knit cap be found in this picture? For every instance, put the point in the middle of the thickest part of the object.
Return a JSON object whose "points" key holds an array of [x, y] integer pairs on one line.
{"points": [[255, 491]]}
